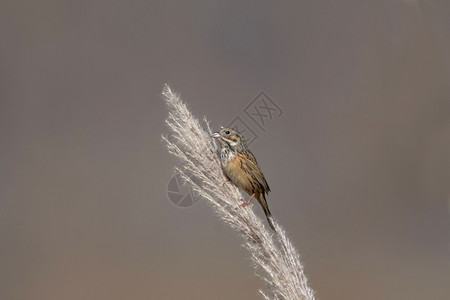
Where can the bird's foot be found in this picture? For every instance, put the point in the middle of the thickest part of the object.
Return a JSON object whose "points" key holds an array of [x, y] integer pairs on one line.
{"points": [[245, 203]]}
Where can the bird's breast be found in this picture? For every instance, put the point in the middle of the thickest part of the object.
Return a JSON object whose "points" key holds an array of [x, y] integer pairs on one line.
{"points": [[231, 165]]}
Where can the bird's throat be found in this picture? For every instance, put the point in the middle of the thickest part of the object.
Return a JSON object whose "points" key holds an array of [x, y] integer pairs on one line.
{"points": [[226, 154]]}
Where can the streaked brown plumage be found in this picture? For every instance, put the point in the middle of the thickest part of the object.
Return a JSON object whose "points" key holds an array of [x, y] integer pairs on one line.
{"points": [[241, 168]]}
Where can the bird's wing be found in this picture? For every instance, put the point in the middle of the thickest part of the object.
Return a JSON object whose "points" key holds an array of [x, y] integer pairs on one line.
{"points": [[250, 165]]}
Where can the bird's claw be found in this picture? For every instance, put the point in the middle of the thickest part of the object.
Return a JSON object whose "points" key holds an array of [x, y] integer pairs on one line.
{"points": [[244, 203]]}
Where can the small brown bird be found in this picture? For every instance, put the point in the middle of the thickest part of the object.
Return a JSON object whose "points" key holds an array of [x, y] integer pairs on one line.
{"points": [[241, 168]]}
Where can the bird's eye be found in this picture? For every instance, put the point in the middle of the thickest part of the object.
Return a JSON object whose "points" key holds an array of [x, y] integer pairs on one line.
{"points": [[227, 132]]}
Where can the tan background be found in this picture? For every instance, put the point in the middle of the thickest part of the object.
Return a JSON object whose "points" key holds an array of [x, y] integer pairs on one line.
{"points": [[358, 162]]}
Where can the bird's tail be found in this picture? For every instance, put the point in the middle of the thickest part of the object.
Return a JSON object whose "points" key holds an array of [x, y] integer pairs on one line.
{"points": [[265, 206]]}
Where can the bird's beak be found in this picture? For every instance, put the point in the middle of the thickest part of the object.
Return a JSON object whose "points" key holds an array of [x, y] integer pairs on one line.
{"points": [[215, 135]]}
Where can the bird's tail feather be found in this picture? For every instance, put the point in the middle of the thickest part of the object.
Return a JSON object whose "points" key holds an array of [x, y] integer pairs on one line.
{"points": [[265, 206]]}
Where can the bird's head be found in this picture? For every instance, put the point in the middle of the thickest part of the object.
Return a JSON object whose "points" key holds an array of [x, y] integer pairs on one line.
{"points": [[230, 138]]}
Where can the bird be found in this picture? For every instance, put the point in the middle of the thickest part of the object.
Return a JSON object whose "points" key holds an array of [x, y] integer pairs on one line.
{"points": [[240, 167]]}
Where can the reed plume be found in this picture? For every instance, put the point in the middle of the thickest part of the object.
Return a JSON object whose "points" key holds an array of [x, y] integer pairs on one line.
{"points": [[275, 259]]}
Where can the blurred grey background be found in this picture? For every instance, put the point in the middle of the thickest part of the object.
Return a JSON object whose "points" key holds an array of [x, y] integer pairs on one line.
{"points": [[358, 162]]}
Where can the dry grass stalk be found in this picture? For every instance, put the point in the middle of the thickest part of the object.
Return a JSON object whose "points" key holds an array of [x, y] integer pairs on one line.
{"points": [[276, 261]]}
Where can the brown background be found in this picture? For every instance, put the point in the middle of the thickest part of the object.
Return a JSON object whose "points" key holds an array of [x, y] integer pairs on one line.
{"points": [[358, 162]]}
